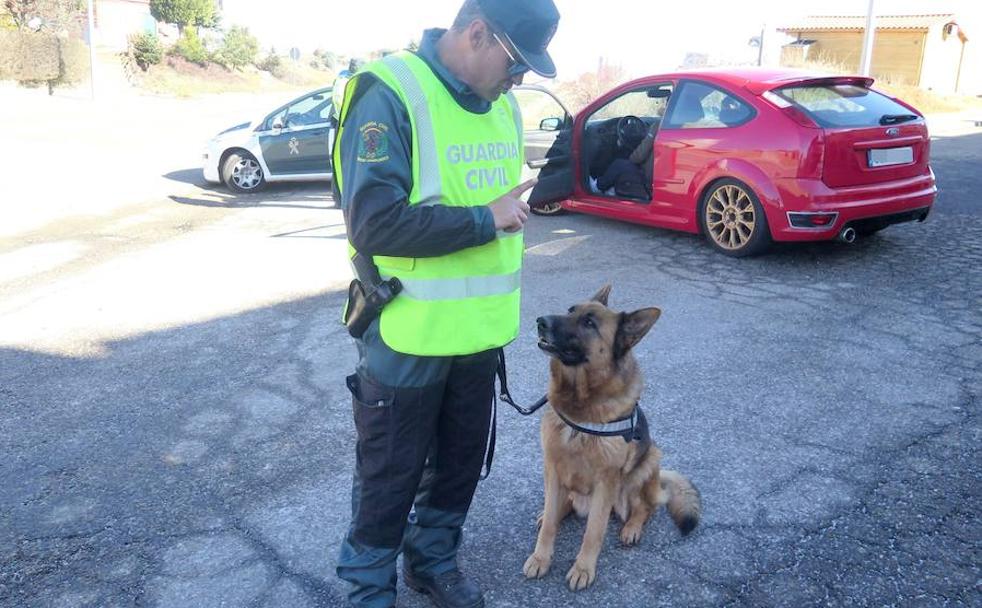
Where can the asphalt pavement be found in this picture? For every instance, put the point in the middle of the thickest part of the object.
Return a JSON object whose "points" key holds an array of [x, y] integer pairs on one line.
{"points": [[175, 428]]}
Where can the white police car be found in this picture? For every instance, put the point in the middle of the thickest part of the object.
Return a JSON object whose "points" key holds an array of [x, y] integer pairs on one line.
{"points": [[291, 143]]}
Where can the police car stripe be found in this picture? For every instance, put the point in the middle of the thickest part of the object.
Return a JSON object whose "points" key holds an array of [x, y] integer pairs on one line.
{"points": [[429, 163], [461, 288]]}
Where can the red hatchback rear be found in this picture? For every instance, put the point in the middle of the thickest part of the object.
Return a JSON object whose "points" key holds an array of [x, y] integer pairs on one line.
{"points": [[745, 157]]}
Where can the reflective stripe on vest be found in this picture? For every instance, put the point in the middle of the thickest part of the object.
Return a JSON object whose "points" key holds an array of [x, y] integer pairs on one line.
{"points": [[429, 165], [466, 301], [458, 289]]}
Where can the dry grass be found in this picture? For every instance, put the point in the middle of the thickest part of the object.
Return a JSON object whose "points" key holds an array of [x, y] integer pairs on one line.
{"points": [[180, 78], [928, 102]]}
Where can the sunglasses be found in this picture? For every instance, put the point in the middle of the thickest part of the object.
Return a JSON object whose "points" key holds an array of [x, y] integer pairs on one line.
{"points": [[515, 67]]}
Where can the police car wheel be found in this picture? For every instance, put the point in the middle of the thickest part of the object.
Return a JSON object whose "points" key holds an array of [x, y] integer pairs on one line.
{"points": [[241, 172]]}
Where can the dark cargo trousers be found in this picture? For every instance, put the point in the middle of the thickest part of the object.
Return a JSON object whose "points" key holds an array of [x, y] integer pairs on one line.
{"points": [[422, 426]]}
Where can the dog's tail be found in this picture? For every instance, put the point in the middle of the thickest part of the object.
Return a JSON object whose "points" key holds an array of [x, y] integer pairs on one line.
{"points": [[681, 499]]}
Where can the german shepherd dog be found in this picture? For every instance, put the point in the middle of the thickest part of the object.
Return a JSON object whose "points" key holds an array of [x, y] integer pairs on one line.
{"points": [[594, 381]]}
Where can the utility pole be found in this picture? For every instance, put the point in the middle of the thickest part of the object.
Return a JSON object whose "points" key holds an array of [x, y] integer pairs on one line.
{"points": [[867, 57], [760, 46], [91, 34]]}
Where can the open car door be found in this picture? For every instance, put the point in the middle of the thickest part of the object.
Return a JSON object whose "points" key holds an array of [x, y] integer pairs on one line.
{"points": [[548, 129]]}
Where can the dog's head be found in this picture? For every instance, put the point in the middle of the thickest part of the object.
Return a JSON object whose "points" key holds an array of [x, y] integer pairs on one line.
{"points": [[591, 333]]}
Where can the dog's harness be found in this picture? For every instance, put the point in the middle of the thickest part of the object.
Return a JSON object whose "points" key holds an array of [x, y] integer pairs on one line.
{"points": [[633, 427]]}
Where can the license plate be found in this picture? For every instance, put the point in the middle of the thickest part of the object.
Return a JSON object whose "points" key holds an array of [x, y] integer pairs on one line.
{"points": [[891, 156]]}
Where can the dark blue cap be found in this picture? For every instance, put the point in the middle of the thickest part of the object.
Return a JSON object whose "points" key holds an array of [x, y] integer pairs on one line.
{"points": [[529, 26]]}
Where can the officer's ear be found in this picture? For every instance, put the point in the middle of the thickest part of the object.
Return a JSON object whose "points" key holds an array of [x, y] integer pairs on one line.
{"points": [[478, 34]]}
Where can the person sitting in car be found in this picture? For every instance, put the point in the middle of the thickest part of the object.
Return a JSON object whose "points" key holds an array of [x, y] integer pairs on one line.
{"points": [[631, 177]]}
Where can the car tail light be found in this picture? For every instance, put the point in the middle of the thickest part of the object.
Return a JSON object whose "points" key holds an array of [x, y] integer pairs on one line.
{"points": [[789, 110], [813, 160]]}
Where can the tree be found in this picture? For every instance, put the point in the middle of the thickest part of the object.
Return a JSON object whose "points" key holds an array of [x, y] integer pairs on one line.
{"points": [[240, 48], [54, 16], [587, 87], [182, 13], [146, 49]]}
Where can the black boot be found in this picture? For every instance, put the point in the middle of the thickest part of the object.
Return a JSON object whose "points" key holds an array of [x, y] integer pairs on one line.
{"points": [[448, 590]]}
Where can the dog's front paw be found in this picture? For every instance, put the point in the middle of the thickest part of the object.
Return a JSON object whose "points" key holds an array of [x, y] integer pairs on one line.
{"points": [[536, 566], [631, 534], [581, 576]]}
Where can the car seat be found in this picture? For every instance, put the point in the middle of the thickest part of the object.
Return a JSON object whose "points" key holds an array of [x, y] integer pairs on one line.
{"points": [[732, 112], [688, 108]]}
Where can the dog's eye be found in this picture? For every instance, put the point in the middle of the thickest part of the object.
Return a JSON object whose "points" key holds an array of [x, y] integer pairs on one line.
{"points": [[589, 322]]}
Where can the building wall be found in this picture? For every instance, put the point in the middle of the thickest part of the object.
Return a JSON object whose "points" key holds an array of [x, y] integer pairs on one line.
{"points": [[896, 55], [941, 59], [971, 80], [116, 20]]}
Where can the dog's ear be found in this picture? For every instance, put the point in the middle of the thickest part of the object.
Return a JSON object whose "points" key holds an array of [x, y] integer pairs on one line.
{"points": [[601, 296], [632, 327]]}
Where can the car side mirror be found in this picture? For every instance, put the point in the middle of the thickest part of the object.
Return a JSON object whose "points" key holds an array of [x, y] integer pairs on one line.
{"points": [[277, 123], [550, 124]]}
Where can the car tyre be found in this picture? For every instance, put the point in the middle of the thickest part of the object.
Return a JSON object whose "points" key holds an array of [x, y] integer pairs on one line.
{"points": [[733, 219], [555, 208], [242, 173]]}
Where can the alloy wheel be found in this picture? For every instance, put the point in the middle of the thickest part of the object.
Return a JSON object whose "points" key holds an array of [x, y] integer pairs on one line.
{"points": [[730, 217]]}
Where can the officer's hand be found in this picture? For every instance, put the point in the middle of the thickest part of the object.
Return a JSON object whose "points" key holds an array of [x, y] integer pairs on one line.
{"points": [[510, 211]]}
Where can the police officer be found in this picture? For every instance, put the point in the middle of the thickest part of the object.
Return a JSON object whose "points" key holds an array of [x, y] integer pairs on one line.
{"points": [[427, 167]]}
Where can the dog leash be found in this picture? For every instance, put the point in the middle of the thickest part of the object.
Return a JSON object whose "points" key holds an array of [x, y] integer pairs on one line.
{"points": [[505, 396]]}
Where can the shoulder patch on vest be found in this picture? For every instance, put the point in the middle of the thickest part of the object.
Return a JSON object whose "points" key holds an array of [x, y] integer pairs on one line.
{"points": [[373, 143]]}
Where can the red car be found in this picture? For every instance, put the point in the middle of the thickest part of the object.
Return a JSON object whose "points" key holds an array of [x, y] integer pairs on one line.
{"points": [[743, 156]]}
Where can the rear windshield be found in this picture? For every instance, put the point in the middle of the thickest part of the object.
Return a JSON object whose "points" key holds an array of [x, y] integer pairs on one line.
{"points": [[845, 105]]}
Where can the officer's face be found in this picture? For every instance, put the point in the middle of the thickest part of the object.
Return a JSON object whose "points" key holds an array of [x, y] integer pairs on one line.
{"points": [[500, 68]]}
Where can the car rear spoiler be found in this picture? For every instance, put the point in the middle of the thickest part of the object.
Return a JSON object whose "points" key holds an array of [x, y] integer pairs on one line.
{"points": [[759, 88]]}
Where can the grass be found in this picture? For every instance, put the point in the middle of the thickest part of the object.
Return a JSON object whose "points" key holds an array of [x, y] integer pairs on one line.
{"points": [[180, 78]]}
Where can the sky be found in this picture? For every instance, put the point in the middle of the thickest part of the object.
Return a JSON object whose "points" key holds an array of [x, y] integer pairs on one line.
{"points": [[640, 36]]}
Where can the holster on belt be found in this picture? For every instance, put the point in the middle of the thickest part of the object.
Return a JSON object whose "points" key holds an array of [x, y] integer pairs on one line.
{"points": [[367, 295]]}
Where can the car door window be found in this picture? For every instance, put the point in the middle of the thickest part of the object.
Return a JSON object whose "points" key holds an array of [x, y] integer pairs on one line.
{"points": [[648, 102], [311, 110], [701, 106]]}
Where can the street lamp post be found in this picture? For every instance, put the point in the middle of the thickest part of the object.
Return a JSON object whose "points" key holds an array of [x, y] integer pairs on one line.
{"points": [[867, 57], [91, 34]]}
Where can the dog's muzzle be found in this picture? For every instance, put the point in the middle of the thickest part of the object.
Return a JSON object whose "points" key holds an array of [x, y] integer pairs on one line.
{"points": [[552, 340]]}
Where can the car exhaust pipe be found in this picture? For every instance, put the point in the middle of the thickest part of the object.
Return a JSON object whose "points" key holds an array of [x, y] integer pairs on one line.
{"points": [[848, 235]]}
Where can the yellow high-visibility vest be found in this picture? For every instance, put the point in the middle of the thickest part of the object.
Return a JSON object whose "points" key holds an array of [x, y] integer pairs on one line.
{"points": [[467, 301]]}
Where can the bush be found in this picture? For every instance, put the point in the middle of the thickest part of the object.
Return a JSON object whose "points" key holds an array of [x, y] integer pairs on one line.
{"points": [[146, 50], [190, 47], [74, 64], [323, 60], [271, 62], [28, 56], [240, 48]]}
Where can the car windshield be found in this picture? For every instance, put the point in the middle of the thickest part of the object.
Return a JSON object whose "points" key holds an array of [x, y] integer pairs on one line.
{"points": [[845, 105]]}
